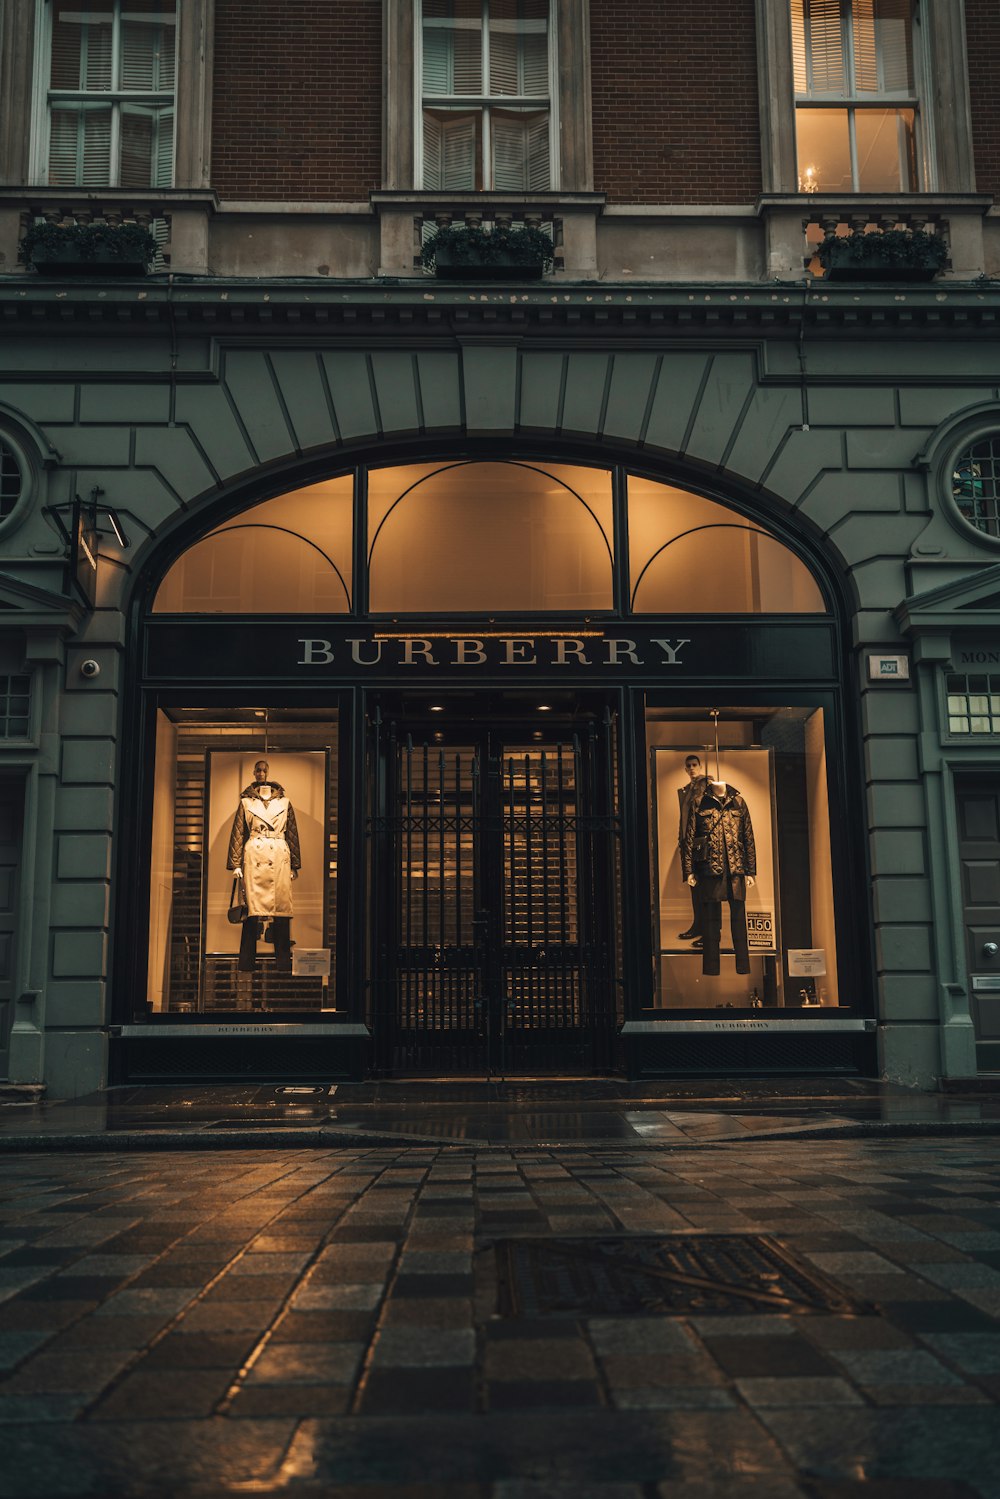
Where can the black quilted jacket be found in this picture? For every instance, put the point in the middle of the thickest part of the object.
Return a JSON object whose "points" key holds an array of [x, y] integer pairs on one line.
{"points": [[728, 831]]}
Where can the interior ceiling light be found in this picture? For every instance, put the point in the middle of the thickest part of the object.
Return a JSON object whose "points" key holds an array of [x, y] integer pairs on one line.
{"points": [[437, 707], [545, 707]]}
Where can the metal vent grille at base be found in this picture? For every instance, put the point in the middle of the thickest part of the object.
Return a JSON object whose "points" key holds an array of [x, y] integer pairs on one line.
{"points": [[673, 1275]]}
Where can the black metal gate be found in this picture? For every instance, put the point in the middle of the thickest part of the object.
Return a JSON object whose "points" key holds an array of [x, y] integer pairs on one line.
{"points": [[493, 861]]}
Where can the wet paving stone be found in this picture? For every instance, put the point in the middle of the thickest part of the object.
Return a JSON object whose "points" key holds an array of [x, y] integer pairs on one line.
{"points": [[304, 1314]]}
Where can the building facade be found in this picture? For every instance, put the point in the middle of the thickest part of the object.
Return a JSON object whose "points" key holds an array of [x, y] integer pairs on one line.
{"points": [[621, 642]]}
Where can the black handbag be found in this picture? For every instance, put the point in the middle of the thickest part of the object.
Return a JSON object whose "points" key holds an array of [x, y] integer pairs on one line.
{"points": [[700, 844], [238, 908]]}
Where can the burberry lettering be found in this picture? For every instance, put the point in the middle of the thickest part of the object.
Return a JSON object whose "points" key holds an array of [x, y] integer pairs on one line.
{"points": [[493, 651]]}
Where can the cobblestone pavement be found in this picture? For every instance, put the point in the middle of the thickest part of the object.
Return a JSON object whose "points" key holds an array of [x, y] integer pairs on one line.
{"points": [[308, 1322]]}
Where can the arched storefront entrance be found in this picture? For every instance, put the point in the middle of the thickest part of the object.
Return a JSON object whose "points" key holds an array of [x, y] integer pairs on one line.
{"points": [[465, 727]]}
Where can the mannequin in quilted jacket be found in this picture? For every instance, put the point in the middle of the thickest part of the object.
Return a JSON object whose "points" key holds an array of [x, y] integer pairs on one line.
{"points": [[719, 860]]}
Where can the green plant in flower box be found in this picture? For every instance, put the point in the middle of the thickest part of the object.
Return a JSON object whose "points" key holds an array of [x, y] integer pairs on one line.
{"points": [[94, 248], [464, 251]]}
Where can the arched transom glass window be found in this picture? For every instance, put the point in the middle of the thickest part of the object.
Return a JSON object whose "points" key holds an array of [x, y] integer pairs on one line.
{"points": [[689, 555], [490, 538], [290, 555], [477, 537]]}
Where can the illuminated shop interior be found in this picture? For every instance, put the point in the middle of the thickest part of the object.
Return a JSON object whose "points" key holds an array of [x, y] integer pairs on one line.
{"points": [[492, 823]]}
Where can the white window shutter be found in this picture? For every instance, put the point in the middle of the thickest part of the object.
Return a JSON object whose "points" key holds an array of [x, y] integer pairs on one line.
{"points": [[163, 154], [137, 126], [799, 48], [167, 70], [458, 154], [519, 49], [452, 47], [64, 147], [66, 68], [509, 154], [824, 43], [449, 153], [147, 56], [437, 60], [95, 168], [97, 55], [504, 71], [467, 74], [865, 48], [80, 147], [82, 46], [535, 63], [894, 40], [138, 56], [539, 176], [433, 134]]}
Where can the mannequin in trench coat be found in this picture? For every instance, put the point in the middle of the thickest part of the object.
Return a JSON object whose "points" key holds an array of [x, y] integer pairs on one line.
{"points": [[264, 848]]}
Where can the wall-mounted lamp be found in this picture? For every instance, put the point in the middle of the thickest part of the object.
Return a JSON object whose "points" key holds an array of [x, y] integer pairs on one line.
{"points": [[82, 537]]}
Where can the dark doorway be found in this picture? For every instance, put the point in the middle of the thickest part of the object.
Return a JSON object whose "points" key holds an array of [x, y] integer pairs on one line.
{"points": [[979, 855], [11, 815], [494, 849]]}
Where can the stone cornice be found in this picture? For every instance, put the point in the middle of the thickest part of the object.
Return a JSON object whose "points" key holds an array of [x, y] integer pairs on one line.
{"points": [[413, 305]]}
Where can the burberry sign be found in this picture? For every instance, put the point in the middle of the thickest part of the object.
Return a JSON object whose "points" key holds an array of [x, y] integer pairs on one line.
{"points": [[492, 650], [318, 651]]}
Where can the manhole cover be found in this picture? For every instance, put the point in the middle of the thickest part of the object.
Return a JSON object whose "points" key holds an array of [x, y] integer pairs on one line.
{"points": [[678, 1275]]}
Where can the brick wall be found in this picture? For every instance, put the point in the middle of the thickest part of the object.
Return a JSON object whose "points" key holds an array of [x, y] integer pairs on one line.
{"points": [[982, 20], [675, 101], [297, 99]]}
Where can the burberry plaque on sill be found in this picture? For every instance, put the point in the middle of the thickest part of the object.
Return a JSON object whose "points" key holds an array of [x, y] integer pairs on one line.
{"points": [[675, 1275]]}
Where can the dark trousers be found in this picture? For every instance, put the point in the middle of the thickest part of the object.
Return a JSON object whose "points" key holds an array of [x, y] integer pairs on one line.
{"points": [[280, 933], [695, 927], [711, 931]]}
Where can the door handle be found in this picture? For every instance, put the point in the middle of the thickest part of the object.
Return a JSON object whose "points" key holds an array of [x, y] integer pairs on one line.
{"points": [[990, 949]]}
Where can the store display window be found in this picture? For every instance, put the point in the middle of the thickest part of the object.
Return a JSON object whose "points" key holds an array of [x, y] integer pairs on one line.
{"points": [[743, 912], [244, 862]]}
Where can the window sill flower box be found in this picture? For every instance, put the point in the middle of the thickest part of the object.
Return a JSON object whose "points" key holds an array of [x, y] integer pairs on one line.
{"points": [[88, 249], [883, 255], [463, 253]]}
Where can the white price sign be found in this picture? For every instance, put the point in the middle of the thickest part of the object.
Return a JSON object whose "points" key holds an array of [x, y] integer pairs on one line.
{"points": [[760, 931], [806, 962], [311, 962]]}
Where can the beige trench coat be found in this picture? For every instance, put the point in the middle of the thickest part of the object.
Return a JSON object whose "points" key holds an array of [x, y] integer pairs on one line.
{"points": [[260, 844]]}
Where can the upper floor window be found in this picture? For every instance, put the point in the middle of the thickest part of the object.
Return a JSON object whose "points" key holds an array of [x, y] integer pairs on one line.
{"points": [[15, 706], [486, 95], [856, 96], [11, 480], [975, 485], [109, 92]]}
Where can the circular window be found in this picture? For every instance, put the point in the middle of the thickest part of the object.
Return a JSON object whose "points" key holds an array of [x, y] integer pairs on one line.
{"points": [[11, 480], [975, 485]]}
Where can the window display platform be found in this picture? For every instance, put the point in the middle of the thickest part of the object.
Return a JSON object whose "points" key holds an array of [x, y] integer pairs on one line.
{"points": [[749, 1047], [237, 1050]]}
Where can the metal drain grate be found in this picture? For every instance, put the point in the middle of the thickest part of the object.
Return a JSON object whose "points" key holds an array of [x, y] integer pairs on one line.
{"points": [[676, 1275]]}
